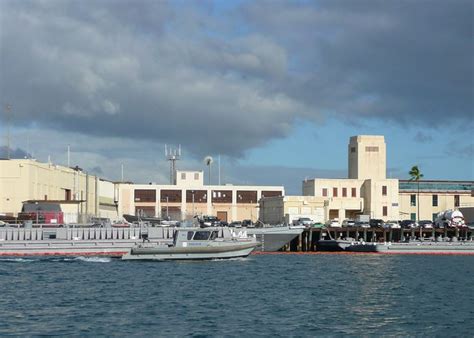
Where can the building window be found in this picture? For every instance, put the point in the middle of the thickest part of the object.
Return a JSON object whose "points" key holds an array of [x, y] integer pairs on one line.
{"points": [[456, 201], [384, 211], [334, 192], [435, 200], [173, 196], [413, 200], [183, 176], [384, 190], [372, 149], [344, 192], [354, 192], [269, 193], [145, 195], [196, 196], [413, 216], [434, 217], [353, 149], [196, 176], [68, 194], [325, 192], [246, 196]]}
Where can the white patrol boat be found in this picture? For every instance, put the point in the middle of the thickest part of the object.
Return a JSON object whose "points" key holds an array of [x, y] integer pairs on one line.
{"points": [[196, 243]]}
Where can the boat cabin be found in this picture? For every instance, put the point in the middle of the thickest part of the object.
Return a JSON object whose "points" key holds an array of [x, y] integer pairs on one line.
{"points": [[187, 237]]}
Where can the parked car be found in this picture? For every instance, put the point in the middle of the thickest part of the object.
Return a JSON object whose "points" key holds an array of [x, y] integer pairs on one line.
{"points": [[391, 225], [236, 224], [305, 221], [376, 223], [426, 224], [362, 225], [408, 224], [318, 225], [348, 223], [333, 223], [248, 223]]}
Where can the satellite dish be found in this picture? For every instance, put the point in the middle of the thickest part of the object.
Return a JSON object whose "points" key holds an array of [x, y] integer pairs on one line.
{"points": [[208, 160]]}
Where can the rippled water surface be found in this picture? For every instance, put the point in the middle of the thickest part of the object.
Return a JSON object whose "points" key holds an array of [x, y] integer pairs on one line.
{"points": [[266, 295]]}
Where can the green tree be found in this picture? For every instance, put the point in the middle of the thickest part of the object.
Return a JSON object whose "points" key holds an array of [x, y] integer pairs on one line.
{"points": [[416, 175]]}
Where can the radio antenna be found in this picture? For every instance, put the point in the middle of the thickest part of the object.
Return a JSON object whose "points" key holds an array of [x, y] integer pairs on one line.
{"points": [[172, 155]]}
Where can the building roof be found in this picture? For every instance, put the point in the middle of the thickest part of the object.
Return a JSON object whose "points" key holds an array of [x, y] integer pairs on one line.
{"points": [[436, 186]]}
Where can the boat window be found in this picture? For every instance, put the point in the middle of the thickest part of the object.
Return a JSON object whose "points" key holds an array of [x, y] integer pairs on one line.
{"points": [[190, 235], [201, 235], [214, 235]]}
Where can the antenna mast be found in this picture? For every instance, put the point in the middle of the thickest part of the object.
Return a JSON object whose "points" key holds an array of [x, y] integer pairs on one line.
{"points": [[172, 155]]}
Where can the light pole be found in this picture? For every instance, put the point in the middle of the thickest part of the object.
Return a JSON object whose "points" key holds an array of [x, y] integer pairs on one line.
{"points": [[167, 215], [194, 211]]}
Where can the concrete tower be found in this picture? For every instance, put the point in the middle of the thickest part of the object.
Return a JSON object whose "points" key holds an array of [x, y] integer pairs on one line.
{"points": [[367, 157]]}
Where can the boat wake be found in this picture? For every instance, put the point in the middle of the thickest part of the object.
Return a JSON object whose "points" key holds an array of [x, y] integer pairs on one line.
{"points": [[17, 260], [93, 259]]}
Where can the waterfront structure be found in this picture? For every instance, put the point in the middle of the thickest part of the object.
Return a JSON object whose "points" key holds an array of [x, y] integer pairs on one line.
{"points": [[80, 195], [189, 197], [434, 197], [366, 191]]}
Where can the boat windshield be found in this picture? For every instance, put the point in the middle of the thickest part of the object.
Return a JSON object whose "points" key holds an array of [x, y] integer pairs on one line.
{"points": [[201, 235], [214, 235], [190, 235]]}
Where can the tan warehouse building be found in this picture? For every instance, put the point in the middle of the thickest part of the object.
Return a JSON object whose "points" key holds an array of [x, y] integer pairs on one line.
{"points": [[367, 191], [188, 196], [80, 195], [434, 197]]}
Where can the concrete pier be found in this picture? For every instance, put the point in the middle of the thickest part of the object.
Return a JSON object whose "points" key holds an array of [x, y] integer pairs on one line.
{"points": [[307, 241]]}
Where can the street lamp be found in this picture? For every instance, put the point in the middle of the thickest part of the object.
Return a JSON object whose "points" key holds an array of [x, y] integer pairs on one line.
{"points": [[194, 211]]}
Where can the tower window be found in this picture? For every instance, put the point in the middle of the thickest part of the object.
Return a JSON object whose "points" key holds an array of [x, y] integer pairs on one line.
{"points": [[372, 149]]}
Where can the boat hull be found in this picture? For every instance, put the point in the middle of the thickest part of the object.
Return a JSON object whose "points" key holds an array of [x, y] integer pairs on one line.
{"points": [[416, 247], [274, 238], [190, 253], [448, 248]]}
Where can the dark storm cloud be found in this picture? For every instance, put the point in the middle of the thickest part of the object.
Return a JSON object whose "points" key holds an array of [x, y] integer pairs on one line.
{"points": [[406, 61], [162, 72], [16, 153]]}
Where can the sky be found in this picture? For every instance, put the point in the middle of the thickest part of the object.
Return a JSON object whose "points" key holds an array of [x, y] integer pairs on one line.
{"points": [[273, 88]]}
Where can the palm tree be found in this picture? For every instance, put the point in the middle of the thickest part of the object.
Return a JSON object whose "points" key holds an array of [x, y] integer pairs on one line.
{"points": [[416, 175]]}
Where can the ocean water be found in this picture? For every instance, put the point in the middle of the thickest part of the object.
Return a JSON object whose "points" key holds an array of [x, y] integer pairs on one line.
{"points": [[262, 295]]}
